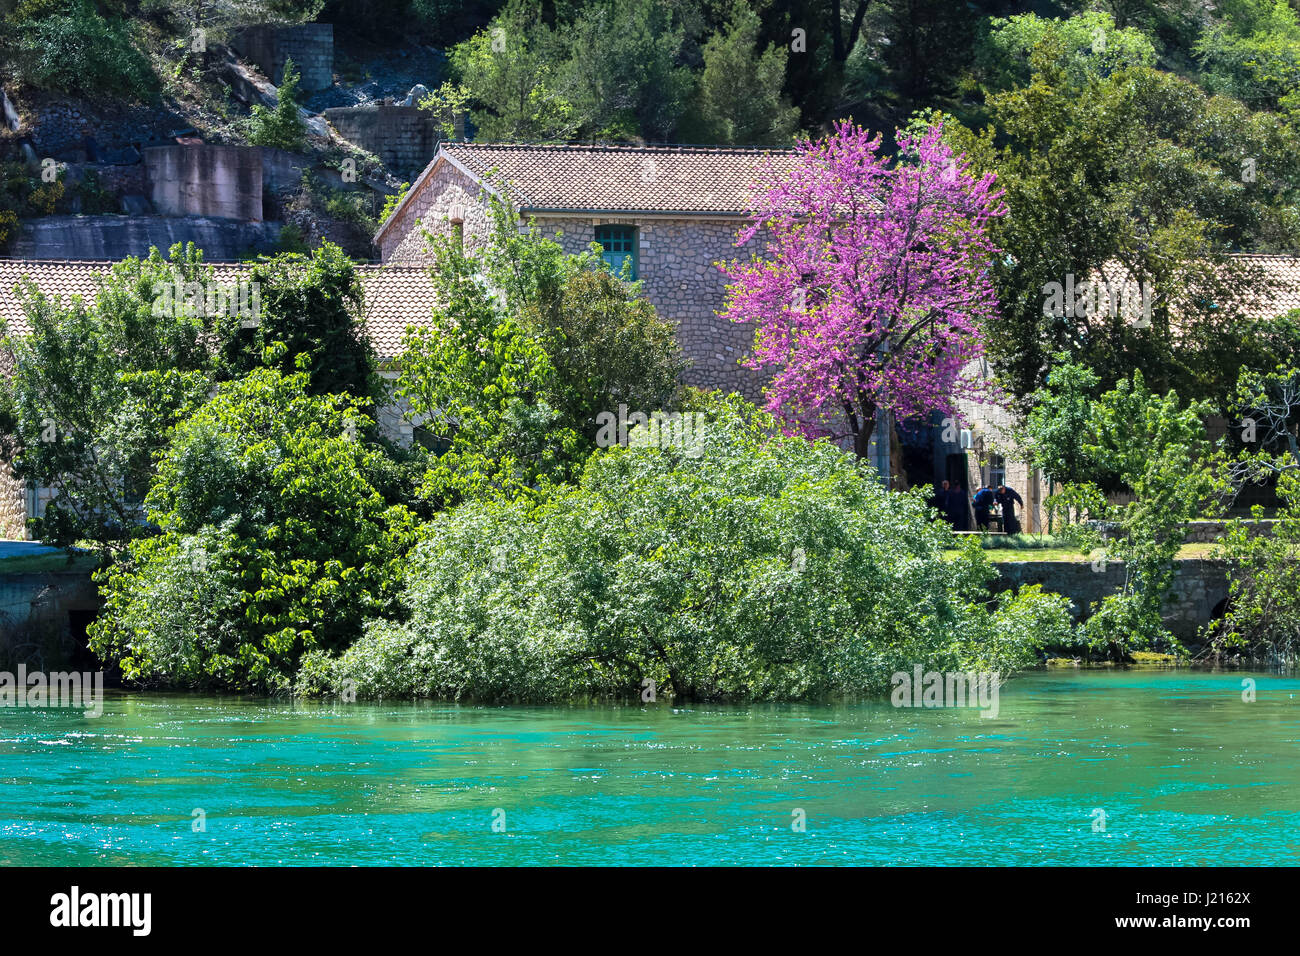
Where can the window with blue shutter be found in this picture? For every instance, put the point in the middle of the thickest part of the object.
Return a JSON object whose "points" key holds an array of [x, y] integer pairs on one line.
{"points": [[619, 246]]}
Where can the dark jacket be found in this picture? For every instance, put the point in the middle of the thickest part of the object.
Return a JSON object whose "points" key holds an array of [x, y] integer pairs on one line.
{"points": [[1006, 498]]}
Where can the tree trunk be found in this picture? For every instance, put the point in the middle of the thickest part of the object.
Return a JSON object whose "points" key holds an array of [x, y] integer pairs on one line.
{"points": [[862, 440]]}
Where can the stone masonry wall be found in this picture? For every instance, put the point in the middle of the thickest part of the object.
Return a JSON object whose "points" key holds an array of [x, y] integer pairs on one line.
{"points": [[405, 138], [1199, 586], [675, 262], [60, 126], [447, 196], [309, 45]]}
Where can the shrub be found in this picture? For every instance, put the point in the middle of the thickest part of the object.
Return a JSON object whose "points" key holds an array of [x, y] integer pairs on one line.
{"points": [[273, 543], [68, 47], [767, 567], [280, 127]]}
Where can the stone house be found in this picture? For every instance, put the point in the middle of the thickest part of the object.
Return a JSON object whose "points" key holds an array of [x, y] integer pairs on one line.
{"points": [[672, 212], [395, 297]]}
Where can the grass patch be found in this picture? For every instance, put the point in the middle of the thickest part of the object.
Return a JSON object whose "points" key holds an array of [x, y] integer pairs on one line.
{"points": [[1061, 552], [57, 561], [1152, 657]]}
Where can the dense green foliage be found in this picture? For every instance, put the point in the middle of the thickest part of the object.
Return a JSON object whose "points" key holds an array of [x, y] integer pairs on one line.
{"points": [[1263, 613], [95, 387], [1158, 448], [274, 541], [528, 345], [740, 98], [767, 567], [281, 126], [1140, 174], [76, 46], [313, 304]]}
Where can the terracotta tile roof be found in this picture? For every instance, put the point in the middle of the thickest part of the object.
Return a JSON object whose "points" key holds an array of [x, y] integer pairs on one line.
{"points": [[1284, 273], [651, 179], [1273, 286], [395, 296]]}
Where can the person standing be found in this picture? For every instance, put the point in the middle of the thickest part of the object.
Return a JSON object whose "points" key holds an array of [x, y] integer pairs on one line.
{"points": [[1007, 500], [940, 500], [982, 503], [958, 513]]}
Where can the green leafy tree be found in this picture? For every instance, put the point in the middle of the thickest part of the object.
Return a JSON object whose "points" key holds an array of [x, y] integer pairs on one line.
{"points": [[767, 567], [312, 304], [1262, 618], [1057, 426], [528, 345], [1158, 448], [622, 70], [70, 47], [1084, 46], [1253, 53], [94, 389], [476, 376], [740, 92], [510, 71], [273, 542], [1138, 177], [281, 126]]}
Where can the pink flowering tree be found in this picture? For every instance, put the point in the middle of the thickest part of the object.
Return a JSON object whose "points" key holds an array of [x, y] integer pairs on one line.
{"points": [[874, 285]]}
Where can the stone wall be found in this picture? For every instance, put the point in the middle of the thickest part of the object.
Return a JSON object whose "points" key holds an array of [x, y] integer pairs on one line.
{"points": [[405, 138], [116, 237], [39, 604], [221, 182], [1201, 532], [60, 126], [1199, 587], [675, 261], [13, 506], [309, 45]]}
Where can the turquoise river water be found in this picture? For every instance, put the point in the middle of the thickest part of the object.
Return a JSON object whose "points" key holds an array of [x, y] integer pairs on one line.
{"points": [[1078, 767]]}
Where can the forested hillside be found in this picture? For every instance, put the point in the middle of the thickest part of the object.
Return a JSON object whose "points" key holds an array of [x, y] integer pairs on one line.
{"points": [[1157, 133]]}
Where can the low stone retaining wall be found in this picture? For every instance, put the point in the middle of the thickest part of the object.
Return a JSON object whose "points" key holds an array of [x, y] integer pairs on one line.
{"points": [[44, 612], [403, 137], [116, 237], [1199, 590], [309, 45], [1204, 532]]}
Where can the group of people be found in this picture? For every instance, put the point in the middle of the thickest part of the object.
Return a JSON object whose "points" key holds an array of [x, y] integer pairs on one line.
{"points": [[951, 502]]}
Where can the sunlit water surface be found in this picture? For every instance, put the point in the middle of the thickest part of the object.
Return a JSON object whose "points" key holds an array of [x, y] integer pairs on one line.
{"points": [[1183, 770]]}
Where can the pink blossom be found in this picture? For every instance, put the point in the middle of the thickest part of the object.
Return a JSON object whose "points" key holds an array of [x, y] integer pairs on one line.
{"points": [[874, 285]]}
